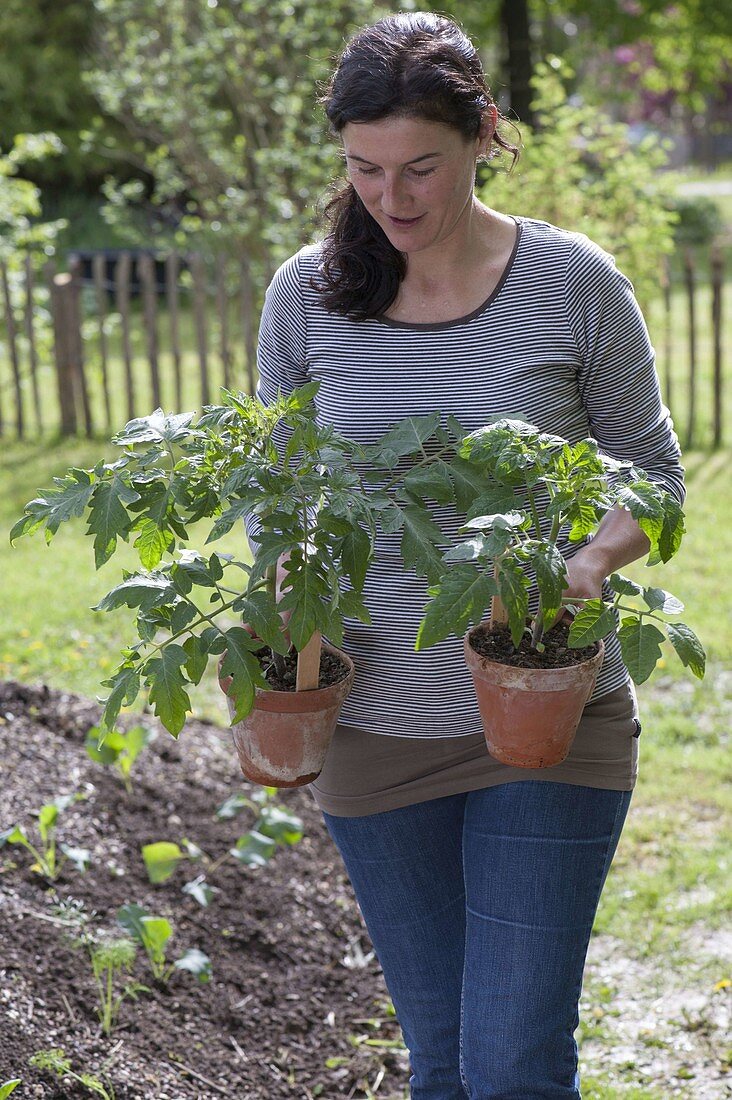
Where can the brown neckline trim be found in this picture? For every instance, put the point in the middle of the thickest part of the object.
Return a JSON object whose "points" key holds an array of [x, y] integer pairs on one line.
{"points": [[429, 326]]}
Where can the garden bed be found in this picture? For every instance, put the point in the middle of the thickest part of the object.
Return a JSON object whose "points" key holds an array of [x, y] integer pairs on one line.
{"points": [[295, 990]]}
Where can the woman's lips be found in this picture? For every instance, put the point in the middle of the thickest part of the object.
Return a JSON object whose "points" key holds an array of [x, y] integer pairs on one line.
{"points": [[404, 223]]}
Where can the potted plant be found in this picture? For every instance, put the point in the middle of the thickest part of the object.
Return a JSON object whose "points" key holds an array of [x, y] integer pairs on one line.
{"points": [[312, 513], [533, 673]]}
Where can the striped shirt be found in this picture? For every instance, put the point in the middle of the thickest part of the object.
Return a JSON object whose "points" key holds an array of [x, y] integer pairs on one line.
{"points": [[560, 341]]}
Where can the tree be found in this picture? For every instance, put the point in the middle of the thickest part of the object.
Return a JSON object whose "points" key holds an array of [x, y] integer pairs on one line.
{"points": [[217, 103]]}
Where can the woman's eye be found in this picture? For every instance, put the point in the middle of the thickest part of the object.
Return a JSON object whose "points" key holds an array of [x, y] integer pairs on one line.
{"points": [[367, 171]]}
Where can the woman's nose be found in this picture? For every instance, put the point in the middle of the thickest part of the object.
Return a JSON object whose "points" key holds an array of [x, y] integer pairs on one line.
{"points": [[394, 196]]}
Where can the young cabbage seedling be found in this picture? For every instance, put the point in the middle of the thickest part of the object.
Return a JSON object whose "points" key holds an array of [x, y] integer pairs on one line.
{"points": [[118, 749], [542, 484], [45, 853], [153, 933]]}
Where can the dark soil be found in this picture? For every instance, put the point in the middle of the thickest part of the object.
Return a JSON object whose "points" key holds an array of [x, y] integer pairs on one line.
{"points": [[496, 645], [332, 669], [295, 989]]}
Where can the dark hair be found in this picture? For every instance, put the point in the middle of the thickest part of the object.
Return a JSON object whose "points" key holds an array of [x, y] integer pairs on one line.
{"points": [[414, 65]]}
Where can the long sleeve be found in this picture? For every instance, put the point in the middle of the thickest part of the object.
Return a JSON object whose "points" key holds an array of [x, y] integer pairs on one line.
{"points": [[618, 381]]}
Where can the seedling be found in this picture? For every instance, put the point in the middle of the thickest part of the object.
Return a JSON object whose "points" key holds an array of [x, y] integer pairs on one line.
{"points": [[45, 851], [153, 933], [54, 1060], [112, 959], [118, 749]]}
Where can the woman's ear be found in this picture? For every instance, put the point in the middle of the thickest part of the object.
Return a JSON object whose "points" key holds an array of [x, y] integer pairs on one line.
{"points": [[487, 129]]}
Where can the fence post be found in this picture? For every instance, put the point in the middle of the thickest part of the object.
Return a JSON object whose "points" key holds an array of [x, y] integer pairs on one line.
{"points": [[198, 271], [77, 346], [31, 338], [222, 306], [122, 304], [717, 282], [13, 349], [99, 273], [62, 288], [247, 320], [146, 267], [172, 266], [691, 304]]}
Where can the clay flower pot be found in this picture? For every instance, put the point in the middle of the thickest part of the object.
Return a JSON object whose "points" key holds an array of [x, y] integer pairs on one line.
{"points": [[283, 742], [530, 715]]}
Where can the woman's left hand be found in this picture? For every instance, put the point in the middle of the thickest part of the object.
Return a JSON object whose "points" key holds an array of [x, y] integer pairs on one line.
{"points": [[584, 576]]}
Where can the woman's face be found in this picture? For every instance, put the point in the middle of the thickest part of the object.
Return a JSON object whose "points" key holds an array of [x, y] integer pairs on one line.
{"points": [[414, 177]]}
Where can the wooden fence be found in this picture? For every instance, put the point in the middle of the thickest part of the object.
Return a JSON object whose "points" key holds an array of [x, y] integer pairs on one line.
{"points": [[128, 332], [125, 329]]}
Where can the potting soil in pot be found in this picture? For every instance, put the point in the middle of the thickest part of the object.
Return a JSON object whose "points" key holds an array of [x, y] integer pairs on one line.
{"points": [[496, 645], [332, 670]]}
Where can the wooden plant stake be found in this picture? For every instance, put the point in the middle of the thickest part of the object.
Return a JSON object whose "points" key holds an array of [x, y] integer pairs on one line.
{"points": [[308, 665]]}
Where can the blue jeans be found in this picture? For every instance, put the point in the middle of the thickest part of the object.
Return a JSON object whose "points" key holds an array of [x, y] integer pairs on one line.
{"points": [[480, 907]]}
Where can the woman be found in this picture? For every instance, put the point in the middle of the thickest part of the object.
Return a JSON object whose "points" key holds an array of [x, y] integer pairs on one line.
{"points": [[478, 882]]}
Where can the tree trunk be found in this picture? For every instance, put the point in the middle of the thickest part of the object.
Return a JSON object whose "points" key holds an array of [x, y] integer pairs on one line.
{"points": [[518, 60]]}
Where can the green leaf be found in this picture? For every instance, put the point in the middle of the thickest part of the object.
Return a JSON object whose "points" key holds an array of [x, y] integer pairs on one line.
{"points": [[432, 481], [353, 607], [57, 505], [305, 598], [14, 835], [108, 519], [551, 575], [688, 648], [657, 599], [9, 1086], [161, 860], [143, 590], [156, 931], [233, 805], [281, 826], [165, 680], [241, 664], [355, 555], [80, 857], [196, 962], [104, 749], [421, 538], [640, 645], [261, 613], [672, 531], [593, 621], [130, 917], [405, 438], [468, 484], [197, 658], [254, 849], [153, 542], [200, 891], [125, 684], [504, 521], [513, 588], [495, 499], [302, 396], [462, 597], [624, 586]]}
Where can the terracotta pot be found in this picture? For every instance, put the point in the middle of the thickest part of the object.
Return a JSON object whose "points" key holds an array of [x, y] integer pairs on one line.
{"points": [[283, 742], [530, 715]]}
